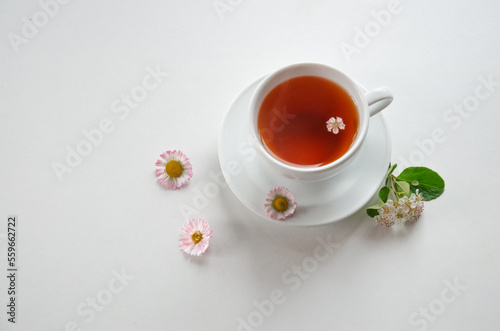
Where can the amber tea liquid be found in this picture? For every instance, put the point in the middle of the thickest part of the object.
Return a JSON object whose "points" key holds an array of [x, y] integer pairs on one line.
{"points": [[292, 121]]}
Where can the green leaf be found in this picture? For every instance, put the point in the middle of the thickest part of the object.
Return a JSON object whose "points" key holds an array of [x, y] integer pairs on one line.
{"points": [[430, 184], [383, 194], [372, 211], [402, 188]]}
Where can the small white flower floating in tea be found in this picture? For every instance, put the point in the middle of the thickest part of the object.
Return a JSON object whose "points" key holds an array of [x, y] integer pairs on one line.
{"points": [[334, 124], [280, 203]]}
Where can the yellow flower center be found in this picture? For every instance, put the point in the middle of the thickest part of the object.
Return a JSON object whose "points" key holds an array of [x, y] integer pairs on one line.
{"points": [[197, 237], [280, 204], [173, 168]]}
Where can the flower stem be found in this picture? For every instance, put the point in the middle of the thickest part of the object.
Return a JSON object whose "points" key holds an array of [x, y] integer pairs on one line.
{"points": [[393, 189]]}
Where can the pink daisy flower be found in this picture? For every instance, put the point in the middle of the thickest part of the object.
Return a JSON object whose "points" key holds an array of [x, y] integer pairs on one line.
{"points": [[334, 124], [173, 169], [280, 203], [194, 237]]}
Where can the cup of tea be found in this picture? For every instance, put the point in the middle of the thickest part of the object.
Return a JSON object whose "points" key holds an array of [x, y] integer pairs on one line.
{"points": [[308, 121]]}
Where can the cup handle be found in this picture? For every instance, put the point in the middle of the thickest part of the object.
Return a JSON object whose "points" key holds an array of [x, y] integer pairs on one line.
{"points": [[378, 99]]}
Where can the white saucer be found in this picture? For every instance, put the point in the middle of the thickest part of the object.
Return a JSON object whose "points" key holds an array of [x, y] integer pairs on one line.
{"points": [[318, 203]]}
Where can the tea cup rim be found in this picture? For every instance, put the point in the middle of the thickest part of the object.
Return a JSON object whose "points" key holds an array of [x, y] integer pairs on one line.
{"points": [[290, 71]]}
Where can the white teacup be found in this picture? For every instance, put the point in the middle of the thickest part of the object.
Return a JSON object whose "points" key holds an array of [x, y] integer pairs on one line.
{"points": [[367, 104]]}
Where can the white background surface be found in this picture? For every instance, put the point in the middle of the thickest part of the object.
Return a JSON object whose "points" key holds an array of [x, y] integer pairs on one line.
{"points": [[109, 216]]}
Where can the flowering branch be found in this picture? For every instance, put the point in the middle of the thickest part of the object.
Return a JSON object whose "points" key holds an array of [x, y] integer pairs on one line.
{"points": [[402, 198]]}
